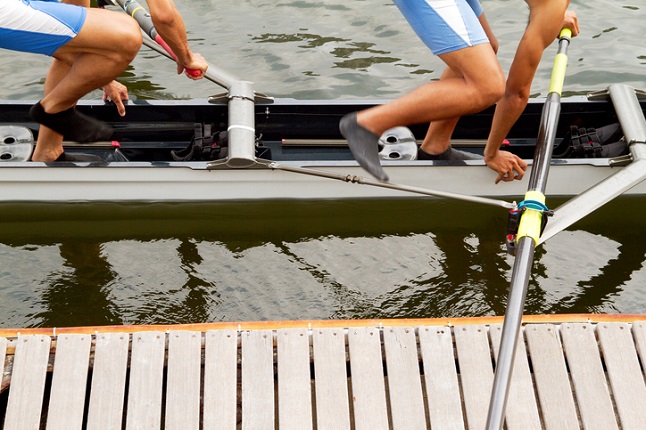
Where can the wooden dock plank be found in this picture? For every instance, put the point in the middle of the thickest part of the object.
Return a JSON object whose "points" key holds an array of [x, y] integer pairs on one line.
{"points": [[441, 378], [331, 386], [146, 379], [220, 379], [368, 385], [294, 380], [522, 411], [107, 392], [588, 377], [27, 388], [404, 379], [639, 334], [183, 380], [257, 380], [476, 372], [3, 352], [604, 389], [69, 382], [624, 373], [551, 377]]}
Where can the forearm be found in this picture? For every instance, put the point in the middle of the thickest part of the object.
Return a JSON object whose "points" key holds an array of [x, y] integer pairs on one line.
{"points": [[508, 110], [171, 28]]}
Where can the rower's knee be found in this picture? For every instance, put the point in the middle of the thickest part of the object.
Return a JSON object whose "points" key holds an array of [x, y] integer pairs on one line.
{"points": [[495, 89], [489, 91], [130, 39]]}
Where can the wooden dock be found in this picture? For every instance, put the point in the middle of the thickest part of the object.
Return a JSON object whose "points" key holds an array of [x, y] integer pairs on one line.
{"points": [[403, 374]]}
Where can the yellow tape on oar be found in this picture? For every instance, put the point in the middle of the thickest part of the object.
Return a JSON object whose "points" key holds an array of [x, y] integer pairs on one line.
{"points": [[558, 74], [565, 32], [136, 9], [560, 64], [531, 219]]}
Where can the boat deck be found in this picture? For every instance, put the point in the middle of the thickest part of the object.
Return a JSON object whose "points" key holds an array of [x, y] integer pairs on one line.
{"points": [[402, 374]]}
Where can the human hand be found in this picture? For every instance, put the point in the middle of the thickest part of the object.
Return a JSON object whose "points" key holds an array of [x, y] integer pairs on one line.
{"points": [[195, 69], [116, 92], [571, 21], [509, 166]]}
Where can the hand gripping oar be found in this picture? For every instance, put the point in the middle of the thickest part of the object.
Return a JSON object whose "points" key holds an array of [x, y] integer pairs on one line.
{"points": [[142, 16], [529, 231]]}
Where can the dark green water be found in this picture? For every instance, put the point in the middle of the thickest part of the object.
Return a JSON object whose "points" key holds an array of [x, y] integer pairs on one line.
{"points": [[181, 263], [69, 265]]}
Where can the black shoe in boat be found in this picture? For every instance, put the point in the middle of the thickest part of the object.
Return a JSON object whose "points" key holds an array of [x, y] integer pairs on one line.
{"points": [[72, 124]]}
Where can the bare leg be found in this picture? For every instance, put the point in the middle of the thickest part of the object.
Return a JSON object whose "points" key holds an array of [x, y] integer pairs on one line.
{"points": [[438, 136], [103, 48], [479, 83]]}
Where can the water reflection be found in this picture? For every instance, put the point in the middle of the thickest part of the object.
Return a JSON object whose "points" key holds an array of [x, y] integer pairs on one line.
{"points": [[135, 264], [609, 265], [78, 293]]}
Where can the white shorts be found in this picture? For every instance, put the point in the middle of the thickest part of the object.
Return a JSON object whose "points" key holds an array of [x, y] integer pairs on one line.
{"points": [[40, 27], [444, 25]]}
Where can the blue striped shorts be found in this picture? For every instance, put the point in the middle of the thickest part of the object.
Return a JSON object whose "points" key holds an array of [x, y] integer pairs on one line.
{"points": [[444, 25], [40, 27]]}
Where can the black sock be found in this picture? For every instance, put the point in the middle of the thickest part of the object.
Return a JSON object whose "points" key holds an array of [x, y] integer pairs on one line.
{"points": [[364, 146], [72, 124]]}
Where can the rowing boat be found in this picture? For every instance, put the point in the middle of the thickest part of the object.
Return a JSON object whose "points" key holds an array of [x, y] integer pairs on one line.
{"points": [[289, 137]]}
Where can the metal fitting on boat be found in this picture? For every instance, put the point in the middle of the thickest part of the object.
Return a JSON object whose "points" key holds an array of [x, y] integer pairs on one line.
{"points": [[398, 143], [16, 143]]}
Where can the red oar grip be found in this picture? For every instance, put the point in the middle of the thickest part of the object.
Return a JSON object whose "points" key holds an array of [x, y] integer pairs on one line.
{"points": [[193, 72]]}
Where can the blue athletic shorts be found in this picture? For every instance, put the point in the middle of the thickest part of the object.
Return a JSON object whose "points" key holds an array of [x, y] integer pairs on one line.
{"points": [[445, 25], [40, 27]]}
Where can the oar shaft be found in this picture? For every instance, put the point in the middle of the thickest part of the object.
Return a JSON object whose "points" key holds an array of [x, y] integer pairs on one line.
{"points": [[550, 118], [528, 235], [510, 331], [546, 133], [214, 74], [143, 18]]}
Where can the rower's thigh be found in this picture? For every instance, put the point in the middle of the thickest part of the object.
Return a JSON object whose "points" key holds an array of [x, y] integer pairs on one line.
{"points": [[481, 71], [106, 32]]}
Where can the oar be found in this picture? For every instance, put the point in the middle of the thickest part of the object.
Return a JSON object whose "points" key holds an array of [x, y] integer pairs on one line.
{"points": [[529, 232], [142, 16], [633, 124]]}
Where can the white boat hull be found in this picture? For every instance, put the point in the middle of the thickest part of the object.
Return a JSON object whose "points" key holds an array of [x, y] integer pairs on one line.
{"points": [[176, 182]]}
